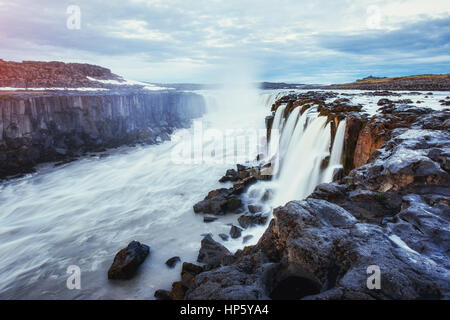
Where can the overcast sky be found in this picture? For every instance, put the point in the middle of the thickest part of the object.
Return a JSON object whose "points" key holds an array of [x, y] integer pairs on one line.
{"points": [[314, 41]]}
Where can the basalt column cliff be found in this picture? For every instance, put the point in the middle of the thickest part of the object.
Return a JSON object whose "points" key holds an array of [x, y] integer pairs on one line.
{"points": [[51, 125]]}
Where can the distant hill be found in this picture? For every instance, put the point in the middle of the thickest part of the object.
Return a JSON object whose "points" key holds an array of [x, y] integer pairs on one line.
{"points": [[279, 85], [425, 82], [261, 85], [37, 74]]}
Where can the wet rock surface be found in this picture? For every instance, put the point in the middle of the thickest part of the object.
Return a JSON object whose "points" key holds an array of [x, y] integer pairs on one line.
{"points": [[235, 232], [211, 252], [249, 220], [228, 200], [315, 249], [172, 262], [127, 261]]}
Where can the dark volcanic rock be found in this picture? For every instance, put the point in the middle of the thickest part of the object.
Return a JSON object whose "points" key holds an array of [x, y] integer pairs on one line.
{"points": [[241, 186], [249, 220], [188, 272], [172, 262], [127, 261], [254, 208], [230, 175], [222, 201], [178, 291], [163, 295], [224, 236], [211, 252], [235, 232], [317, 250], [218, 202]]}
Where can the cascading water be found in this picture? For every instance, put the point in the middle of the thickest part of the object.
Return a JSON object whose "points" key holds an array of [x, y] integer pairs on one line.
{"points": [[277, 124], [336, 152], [288, 130], [83, 212], [304, 144]]}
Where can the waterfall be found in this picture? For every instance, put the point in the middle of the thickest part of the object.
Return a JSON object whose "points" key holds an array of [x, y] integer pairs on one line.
{"points": [[275, 132], [287, 132], [304, 144], [336, 152], [268, 99]]}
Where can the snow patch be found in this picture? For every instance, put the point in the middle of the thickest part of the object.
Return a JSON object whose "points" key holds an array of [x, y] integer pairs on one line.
{"points": [[125, 82], [51, 89]]}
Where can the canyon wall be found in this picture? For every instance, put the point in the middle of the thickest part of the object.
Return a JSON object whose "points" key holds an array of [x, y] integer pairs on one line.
{"points": [[53, 127]]}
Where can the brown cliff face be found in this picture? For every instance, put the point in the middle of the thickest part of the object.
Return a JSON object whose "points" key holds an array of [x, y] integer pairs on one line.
{"points": [[35, 74], [371, 138], [355, 122], [378, 130]]}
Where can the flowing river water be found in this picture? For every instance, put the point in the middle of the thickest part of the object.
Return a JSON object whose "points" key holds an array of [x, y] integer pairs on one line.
{"points": [[82, 213]]}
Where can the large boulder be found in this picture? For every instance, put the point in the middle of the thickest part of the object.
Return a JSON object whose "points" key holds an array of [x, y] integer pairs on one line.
{"points": [[211, 252], [218, 202], [235, 232], [249, 220], [127, 261]]}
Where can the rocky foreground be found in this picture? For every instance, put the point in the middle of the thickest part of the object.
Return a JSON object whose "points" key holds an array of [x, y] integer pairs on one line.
{"points": [[389, 210]]}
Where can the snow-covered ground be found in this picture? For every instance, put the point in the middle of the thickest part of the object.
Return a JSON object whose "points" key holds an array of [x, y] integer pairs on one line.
{"points": [[125, 82], [52, 89]]}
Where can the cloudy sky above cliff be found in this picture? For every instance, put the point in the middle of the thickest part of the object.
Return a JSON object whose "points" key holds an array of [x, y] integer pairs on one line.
{"points": [[314, 41]]}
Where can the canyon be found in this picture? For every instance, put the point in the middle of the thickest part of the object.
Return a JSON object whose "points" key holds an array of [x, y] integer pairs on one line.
{"points": [[45, 124], [350, 179]]}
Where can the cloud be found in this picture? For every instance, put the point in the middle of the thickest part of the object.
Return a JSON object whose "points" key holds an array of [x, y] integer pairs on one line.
{"points": [[429, 36], [320, 41]]}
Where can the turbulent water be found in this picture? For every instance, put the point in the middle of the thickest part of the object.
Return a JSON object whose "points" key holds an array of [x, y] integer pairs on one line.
{"points": [[82, 213], [300, 170]]}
